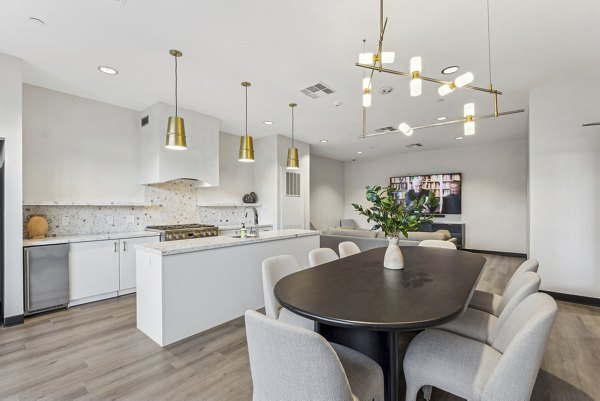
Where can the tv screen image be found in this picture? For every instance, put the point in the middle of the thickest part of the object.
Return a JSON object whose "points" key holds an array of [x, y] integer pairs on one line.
{"points": [[446, 188]]}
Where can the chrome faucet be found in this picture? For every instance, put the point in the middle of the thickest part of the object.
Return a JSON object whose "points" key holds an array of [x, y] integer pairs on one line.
{"points": [[256, 231]]}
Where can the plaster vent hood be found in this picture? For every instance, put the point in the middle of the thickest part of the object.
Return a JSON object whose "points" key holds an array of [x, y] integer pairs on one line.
{"points": [[200, 162]]}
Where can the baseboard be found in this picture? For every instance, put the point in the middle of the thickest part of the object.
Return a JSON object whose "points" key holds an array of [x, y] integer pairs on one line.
{"points": [[576, 299], [13, 320], [500, 253]]}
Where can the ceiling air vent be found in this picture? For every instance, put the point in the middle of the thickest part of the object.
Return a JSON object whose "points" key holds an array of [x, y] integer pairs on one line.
{"points": [[385, 129], [414, 145], [317, 90]]}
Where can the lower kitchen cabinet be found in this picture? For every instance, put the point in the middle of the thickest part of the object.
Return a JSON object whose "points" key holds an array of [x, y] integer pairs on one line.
{"points": [[102, 269], [93, 271], [127, 262]]}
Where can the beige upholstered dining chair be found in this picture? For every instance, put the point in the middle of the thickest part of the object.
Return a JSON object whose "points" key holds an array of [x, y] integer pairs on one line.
{"points": [[273, 270], [490, 303], [435, 243], [291, 363], [320, 256], [348, 248], [503, 370], [480, 325]]}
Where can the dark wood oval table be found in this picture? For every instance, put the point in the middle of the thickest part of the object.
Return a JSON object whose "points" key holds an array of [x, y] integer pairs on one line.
{"points": [[357, 302]]}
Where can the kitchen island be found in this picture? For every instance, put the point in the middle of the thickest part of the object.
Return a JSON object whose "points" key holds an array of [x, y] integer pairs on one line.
{"points": [[186, 287]]}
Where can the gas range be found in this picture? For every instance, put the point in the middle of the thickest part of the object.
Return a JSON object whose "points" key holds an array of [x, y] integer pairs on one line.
{"points": [[184, 231]]}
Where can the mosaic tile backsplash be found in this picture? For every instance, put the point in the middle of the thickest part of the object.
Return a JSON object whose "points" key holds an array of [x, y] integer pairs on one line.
{"points": [[169, 203]]}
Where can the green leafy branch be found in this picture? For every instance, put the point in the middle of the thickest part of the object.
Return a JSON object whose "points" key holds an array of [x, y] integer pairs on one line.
{"points": [[391, 215]]}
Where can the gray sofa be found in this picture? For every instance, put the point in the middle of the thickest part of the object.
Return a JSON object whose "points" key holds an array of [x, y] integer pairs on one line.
{"points": [[367, 239]]}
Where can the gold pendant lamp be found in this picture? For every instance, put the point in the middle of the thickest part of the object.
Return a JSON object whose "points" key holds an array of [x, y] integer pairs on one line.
{"points": [[175, 127], [292, 156], [246, 144]]}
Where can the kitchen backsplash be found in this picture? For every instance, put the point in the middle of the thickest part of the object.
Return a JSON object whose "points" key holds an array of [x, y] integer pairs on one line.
{"points": [[169, 203]]}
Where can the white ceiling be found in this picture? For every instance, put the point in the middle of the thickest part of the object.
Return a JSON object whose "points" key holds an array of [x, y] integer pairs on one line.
{"points": [[282, 46]]}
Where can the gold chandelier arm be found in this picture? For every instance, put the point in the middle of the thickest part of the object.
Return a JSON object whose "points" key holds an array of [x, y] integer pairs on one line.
{"points": [[461, 121], [424, 78]]}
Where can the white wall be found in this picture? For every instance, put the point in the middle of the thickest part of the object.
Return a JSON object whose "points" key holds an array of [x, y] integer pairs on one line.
{"points": [[76, 149], [235, 178], [564, 185], [11, 130], [494, 188], [326, 192]]}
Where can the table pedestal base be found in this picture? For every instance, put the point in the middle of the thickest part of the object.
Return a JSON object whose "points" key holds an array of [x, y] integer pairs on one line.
{"points": [[387, 348]]}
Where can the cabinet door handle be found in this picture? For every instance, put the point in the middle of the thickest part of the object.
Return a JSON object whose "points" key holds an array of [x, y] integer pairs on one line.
{"points": [[115, 247], [124, 246]]}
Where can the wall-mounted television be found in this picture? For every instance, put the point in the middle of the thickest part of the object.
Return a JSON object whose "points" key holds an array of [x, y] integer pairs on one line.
{"points": [[445, 187]]}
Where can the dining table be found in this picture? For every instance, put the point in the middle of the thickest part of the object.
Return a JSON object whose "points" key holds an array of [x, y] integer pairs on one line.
{"points": [[357, 302]]}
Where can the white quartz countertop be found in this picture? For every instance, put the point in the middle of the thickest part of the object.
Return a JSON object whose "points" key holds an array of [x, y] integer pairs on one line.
{"points": [[202, 244], [88, 237]]}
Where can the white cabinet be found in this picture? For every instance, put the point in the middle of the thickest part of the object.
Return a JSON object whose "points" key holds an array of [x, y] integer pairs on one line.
{"points": [[102, 269], [93, 271], [127, 262]]}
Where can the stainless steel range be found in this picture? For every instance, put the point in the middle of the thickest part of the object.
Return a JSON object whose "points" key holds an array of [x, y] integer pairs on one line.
{"points": [[184, 231]]}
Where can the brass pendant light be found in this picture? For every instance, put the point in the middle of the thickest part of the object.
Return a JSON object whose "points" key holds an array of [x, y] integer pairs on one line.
{"points": [[175, 127], [246, 144], [292, 157]]}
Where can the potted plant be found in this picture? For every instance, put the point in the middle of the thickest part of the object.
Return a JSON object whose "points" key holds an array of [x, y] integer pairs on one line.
{"points": [[393, 217]]}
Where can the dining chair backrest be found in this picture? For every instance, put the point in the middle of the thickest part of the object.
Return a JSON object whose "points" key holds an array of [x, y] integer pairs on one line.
{"points": [[320, 256], [292, 363], [521, 340], [435, 243], [530, 265], [526, 284], [273, 270], [348, 248]]}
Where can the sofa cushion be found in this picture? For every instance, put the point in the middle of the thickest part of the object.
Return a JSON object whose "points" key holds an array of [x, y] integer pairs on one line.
{"points": [[351, 233], [441, 235]]}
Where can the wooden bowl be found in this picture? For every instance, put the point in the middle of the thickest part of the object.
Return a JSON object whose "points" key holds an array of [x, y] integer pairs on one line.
{"points": [[36, 227]]}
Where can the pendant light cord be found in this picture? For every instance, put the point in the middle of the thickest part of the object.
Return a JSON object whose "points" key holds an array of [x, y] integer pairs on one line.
{"points": [[292, 127], [175, 86], [489, 42], [246, 111]]}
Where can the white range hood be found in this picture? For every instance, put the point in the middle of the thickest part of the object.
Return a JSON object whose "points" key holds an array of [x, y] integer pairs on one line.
{"points": [[200, 162]]}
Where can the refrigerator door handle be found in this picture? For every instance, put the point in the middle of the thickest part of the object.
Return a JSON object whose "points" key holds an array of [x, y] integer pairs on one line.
{"points": [[27, 297]]}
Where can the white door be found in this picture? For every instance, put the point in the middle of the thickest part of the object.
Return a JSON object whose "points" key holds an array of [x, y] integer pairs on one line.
{"points": [[93, 270], [127, 262]]}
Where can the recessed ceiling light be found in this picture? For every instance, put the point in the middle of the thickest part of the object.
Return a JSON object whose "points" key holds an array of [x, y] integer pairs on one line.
{"points": [[359, 153], [323, 141], [450, 70], [441, 118], [268, 122], [337, 103], [37, 21], [458, 138], [108, 70]]}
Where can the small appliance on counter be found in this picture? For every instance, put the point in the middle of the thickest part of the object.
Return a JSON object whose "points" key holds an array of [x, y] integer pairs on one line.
{"points": [[184, 231]]}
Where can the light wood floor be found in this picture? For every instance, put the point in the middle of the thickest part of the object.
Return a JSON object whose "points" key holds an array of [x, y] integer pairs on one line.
{"points": [[95, 352]]}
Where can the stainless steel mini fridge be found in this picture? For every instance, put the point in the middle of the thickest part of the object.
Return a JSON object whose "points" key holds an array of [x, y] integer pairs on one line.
{"points": [[46, 276]]}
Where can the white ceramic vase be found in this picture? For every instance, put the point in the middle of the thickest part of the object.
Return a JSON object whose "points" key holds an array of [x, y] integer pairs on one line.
{"points": [[393, 255]]}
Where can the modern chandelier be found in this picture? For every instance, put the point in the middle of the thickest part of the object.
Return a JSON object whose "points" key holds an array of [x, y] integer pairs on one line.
{"points": [[374, 62]]}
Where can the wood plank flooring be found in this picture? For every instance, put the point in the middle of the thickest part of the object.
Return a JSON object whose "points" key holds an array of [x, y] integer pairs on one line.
{"points": [[95, 352]]}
